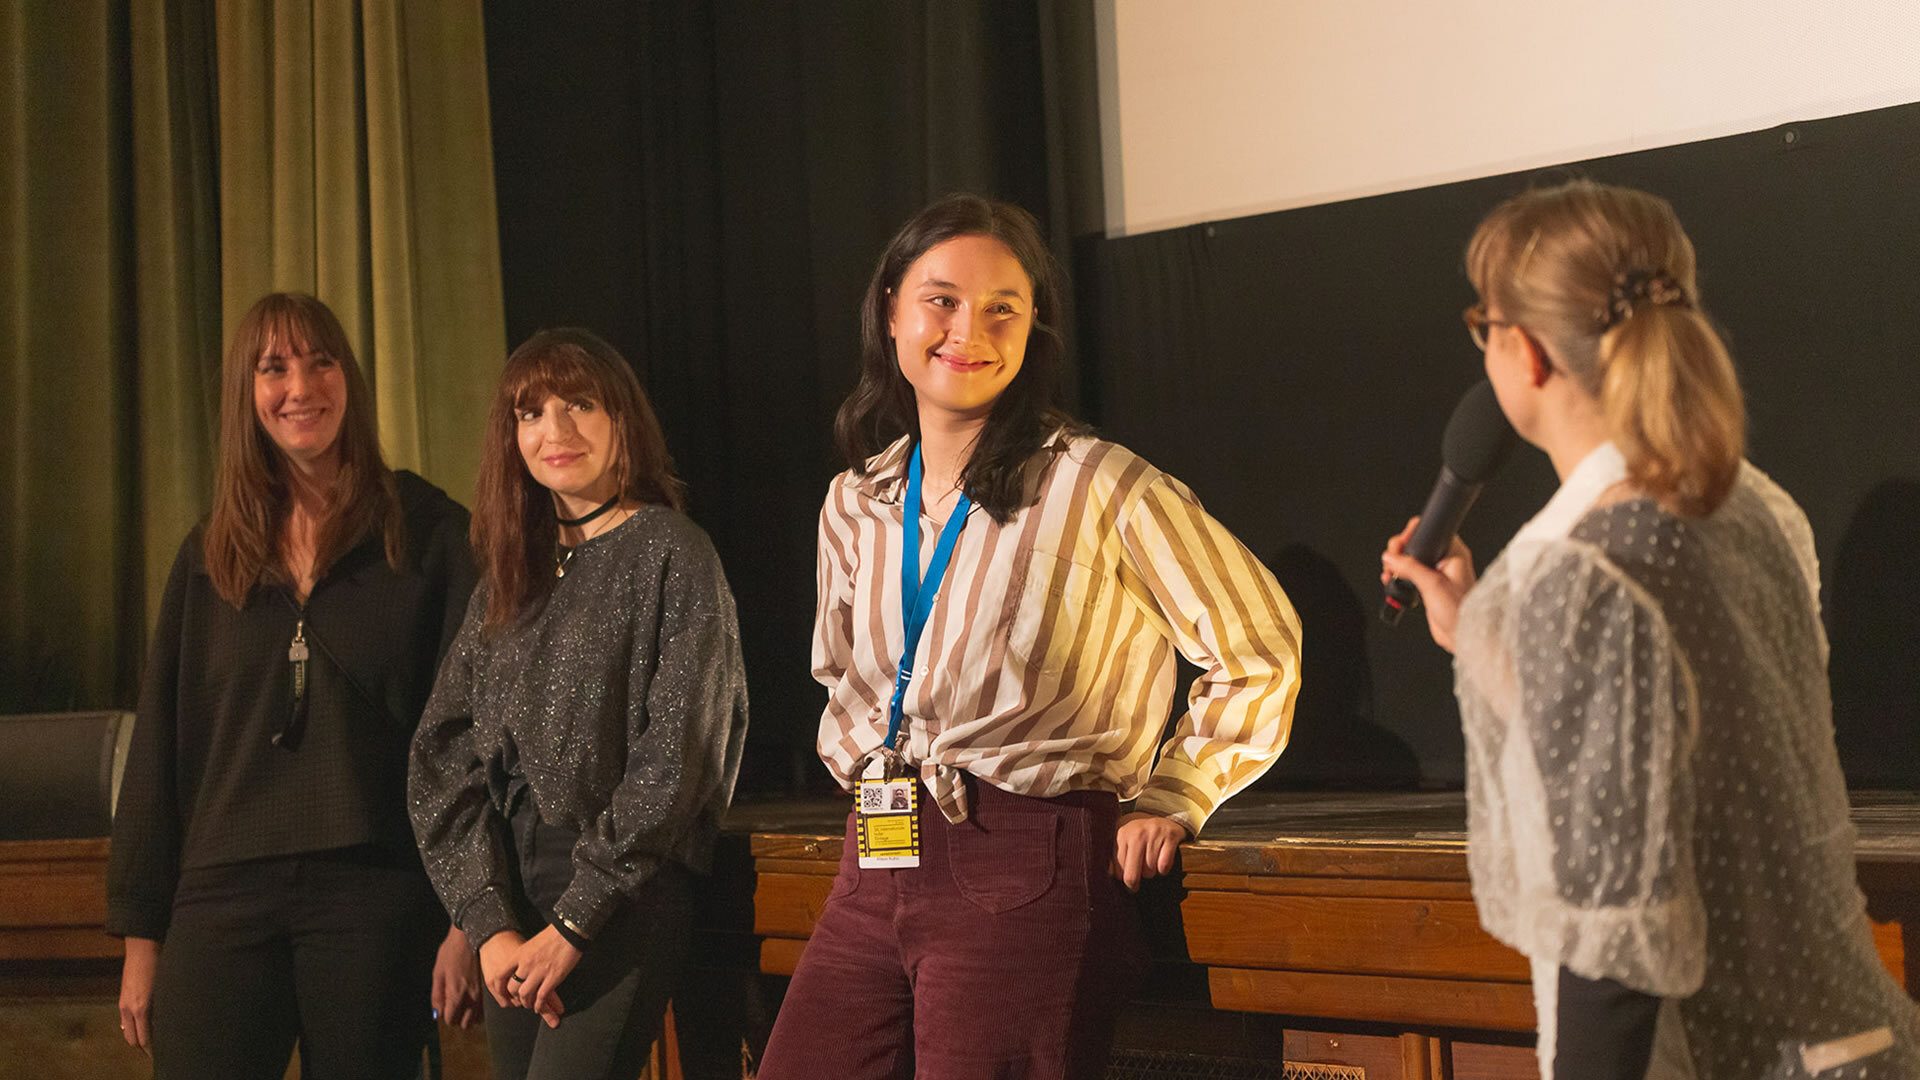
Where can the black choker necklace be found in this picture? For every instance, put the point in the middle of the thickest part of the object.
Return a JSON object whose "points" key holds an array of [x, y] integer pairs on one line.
{"points": [[604, 507]]}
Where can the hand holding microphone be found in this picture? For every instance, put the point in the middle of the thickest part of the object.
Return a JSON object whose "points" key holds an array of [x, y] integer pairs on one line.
{"points": [[1440, 587], [1426, 561]]}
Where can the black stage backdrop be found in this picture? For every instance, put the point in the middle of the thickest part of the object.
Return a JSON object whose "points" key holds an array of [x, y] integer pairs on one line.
{"points": [[708, 183], [1297, 368]]}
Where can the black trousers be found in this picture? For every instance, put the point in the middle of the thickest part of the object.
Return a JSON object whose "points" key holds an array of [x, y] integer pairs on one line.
{"points": [[616, 997], [333, 951], [1605, 1030]]}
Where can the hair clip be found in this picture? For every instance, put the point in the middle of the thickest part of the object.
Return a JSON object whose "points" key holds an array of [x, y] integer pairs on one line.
{"points": [[1632, 286]]}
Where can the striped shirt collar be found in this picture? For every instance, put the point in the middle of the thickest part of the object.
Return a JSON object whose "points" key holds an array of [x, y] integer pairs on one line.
{"points": [[886, 478]]}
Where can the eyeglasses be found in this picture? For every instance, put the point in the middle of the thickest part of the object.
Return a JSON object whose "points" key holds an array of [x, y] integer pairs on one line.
{"points": [[1477, 323]]}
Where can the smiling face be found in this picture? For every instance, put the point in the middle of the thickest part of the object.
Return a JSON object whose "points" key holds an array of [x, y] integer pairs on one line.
{"points": [[960, 319], [569, 446], [299, 398]]}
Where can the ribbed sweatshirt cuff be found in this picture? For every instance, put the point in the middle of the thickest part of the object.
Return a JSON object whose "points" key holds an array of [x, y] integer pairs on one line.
{"points": [[593, 897], [588, 902], [483, 916]]}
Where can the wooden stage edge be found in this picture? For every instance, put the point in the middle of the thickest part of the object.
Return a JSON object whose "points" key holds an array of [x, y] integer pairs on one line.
{"points": [[1346, 918], [1345, 921]]}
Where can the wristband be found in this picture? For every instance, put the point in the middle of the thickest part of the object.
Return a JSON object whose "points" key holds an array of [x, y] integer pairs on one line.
{"points": [[571, 932]]}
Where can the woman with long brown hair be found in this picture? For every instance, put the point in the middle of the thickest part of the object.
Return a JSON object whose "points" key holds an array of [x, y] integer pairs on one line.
{"points": [[1659, 822], [583, 738], [262, 870]]}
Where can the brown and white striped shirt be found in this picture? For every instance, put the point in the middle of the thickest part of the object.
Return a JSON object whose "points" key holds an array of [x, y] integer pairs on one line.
{"points": [[1047, 664]]}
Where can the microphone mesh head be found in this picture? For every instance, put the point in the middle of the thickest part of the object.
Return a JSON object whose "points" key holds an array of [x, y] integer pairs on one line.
{"points": [[1478, 437]]}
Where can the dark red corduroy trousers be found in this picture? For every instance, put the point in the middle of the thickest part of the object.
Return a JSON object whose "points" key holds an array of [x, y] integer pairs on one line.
{"points": [[1005, 954]]}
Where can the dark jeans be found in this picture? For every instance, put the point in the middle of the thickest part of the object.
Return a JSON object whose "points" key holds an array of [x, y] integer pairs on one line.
{"points": [[616, 997], [1006, 953], [333, 950], [1605, 1030]]}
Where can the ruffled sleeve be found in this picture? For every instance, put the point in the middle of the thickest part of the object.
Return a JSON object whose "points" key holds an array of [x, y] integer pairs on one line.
{"points": [[1608, 710]]}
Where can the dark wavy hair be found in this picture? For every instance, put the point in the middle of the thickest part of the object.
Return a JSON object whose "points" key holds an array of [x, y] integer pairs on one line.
{"points": [[515, 531], [881, 407]]}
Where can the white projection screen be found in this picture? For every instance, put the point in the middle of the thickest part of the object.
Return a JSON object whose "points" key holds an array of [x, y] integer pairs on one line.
{"points": [[1213, 109]]}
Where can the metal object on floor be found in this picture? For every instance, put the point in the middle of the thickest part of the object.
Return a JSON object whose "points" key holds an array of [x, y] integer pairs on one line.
{"points": [[1162, 1065]]}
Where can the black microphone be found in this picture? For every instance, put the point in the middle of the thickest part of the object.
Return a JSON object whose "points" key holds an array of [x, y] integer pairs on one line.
{"points": [[1476, 444]]}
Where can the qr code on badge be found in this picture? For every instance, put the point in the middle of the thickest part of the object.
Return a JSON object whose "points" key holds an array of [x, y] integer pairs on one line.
{"points": [[873, 797]]}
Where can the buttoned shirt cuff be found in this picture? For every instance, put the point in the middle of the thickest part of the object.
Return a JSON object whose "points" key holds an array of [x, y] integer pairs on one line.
{"points": [[484, 916], [1164, 802]]}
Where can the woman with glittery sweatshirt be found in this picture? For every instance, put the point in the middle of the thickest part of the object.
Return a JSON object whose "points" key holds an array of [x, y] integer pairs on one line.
{"points": [[581, 743]]}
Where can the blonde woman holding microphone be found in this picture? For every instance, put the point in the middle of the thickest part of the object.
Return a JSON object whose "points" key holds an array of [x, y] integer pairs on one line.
{"points": [[1658, 820]]}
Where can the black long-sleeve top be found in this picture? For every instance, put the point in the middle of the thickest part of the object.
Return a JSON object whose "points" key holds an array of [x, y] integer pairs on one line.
{"points": [[204, 783], [619, 707]]}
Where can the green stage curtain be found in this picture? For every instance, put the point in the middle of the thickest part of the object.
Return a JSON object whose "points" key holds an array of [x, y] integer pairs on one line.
{"points": [[166, 162]]}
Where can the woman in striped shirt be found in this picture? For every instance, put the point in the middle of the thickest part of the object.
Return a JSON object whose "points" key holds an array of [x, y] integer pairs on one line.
{"points": [[1012, 659]]}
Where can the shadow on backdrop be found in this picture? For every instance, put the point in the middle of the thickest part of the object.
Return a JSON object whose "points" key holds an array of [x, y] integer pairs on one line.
{"points": [[1873, 619], [1336, 743]]}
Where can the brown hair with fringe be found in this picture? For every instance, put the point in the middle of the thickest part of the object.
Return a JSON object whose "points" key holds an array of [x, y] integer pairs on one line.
{"points": [[515, 527], [251, 498], [1605, 277]]}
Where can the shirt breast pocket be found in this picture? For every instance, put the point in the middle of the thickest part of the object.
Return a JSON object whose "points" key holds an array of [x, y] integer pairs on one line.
{"points": [[1062, 611]]}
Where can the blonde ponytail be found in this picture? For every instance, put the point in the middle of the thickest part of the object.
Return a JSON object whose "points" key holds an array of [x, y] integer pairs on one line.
{"points": [[1604, 276], [1673, 406]]}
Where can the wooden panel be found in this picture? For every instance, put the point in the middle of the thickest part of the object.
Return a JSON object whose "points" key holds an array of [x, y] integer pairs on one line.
{"points": [[64, 979], [826, 867], [54, 898], [781, 956], [1322, 886], [754, 816], [1485, 1061], [1456, 1003], [825, 848], [1889, 939], [1379, 1055], [1382, 860], [58, 943], [1890, 877], [1423, 1057], [787, 905], [85, 849], [1434, 939]]}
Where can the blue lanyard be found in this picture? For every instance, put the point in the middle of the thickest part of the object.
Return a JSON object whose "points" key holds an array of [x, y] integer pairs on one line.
{"points": [[916, 596]]}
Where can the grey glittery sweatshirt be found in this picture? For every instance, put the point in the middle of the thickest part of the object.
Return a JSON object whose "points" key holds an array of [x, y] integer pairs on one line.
{"points": [[621, 706]]}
